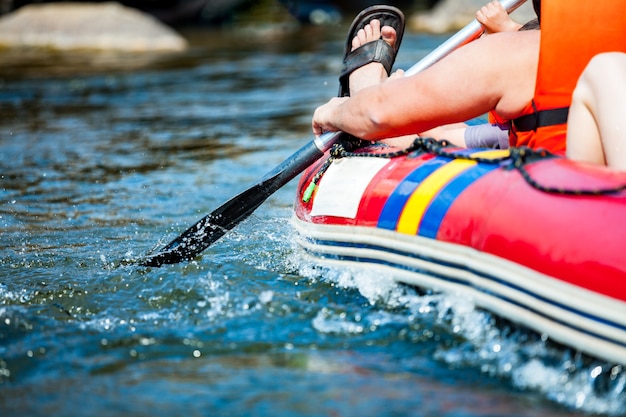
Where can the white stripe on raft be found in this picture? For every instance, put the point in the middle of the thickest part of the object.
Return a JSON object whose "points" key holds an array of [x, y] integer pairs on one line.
{"points": [[587, 321]]}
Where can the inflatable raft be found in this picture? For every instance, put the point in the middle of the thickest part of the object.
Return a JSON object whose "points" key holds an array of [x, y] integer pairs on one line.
{"points": [[534, 238]]}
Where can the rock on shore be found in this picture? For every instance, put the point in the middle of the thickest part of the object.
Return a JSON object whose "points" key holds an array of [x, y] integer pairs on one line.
{"points": [[452, 15], [87, 26]]}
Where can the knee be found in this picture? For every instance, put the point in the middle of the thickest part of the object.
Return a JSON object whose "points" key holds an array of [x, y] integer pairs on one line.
{"points": [[604, 72], [605, 66]]}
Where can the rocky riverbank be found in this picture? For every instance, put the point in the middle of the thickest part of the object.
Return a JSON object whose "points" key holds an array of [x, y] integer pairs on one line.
{"points": [[114, 27], [87, 26]]}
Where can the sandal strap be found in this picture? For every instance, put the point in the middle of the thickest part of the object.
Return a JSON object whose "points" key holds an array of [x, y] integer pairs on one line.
{"points": [[378, 51]]}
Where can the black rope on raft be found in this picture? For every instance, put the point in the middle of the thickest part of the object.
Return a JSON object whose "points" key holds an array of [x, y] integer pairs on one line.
{"points": [[522, 156], [518, 158]]}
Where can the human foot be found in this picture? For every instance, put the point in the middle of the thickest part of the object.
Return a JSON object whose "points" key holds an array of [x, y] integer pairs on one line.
{"points": [[372, 73]]}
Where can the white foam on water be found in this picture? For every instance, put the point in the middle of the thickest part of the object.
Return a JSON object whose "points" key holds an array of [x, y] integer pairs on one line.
{"points": [[528, 360], [332, 322], [328, 322], [595, 388]]}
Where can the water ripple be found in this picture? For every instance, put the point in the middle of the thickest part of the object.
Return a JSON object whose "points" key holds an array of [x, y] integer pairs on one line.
{"points": [[105, 158]]}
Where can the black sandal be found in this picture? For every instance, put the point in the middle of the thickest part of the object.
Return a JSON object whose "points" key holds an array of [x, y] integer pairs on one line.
{"points": [[376, 51]]}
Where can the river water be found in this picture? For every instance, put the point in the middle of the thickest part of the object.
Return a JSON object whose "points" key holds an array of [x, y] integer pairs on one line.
{"points": [[107, 157]]}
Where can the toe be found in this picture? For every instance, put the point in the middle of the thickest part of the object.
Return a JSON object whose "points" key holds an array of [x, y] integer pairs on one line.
{"points": [[359, 39], [389, 35], [372, 32], [375, 28]]}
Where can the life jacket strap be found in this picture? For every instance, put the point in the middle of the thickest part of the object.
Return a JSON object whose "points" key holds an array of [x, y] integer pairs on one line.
{"points": [[541, 118]]}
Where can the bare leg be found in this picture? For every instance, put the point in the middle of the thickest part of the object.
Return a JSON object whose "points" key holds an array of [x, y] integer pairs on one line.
{"points": [[373, 73], [596, 130]]}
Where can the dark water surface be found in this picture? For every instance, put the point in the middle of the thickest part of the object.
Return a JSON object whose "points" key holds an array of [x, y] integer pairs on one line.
{"points": [[107, 157]]}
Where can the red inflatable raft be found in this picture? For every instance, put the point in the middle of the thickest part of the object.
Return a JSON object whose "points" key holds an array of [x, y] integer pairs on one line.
{"points": [[537, 239]]}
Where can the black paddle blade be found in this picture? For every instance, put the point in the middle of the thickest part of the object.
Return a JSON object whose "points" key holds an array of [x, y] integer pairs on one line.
{"points": [[215, 225], [210, 228]]}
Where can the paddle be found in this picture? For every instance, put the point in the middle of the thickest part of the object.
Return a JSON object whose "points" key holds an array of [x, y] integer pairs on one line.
{"points": [[214, 225]]}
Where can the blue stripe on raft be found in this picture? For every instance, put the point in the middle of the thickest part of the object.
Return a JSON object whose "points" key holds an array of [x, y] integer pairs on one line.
{"points": [[396, 201], [390, 213], [321, 253], [438, 208]]}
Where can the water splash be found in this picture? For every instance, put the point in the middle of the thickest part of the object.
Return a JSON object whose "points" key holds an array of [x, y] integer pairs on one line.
{"points": [[527, 360]]}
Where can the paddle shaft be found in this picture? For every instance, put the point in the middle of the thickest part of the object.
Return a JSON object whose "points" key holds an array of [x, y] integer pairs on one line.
{"points": [[214, 225], [471, 31]]}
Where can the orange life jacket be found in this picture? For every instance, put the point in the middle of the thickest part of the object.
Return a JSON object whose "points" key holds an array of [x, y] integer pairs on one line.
{"points": [[572, 32], [495, 119]]}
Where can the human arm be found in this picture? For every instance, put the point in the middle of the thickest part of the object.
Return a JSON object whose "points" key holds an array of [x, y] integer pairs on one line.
{"points": [[466, 84], [487, 135], [404, 106], [453, 133], [483, 135]]}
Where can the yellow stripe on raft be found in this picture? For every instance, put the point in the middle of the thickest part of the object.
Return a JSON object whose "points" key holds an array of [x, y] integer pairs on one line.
{"points": [[498, 153], [419, 201], [422, 196]]}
